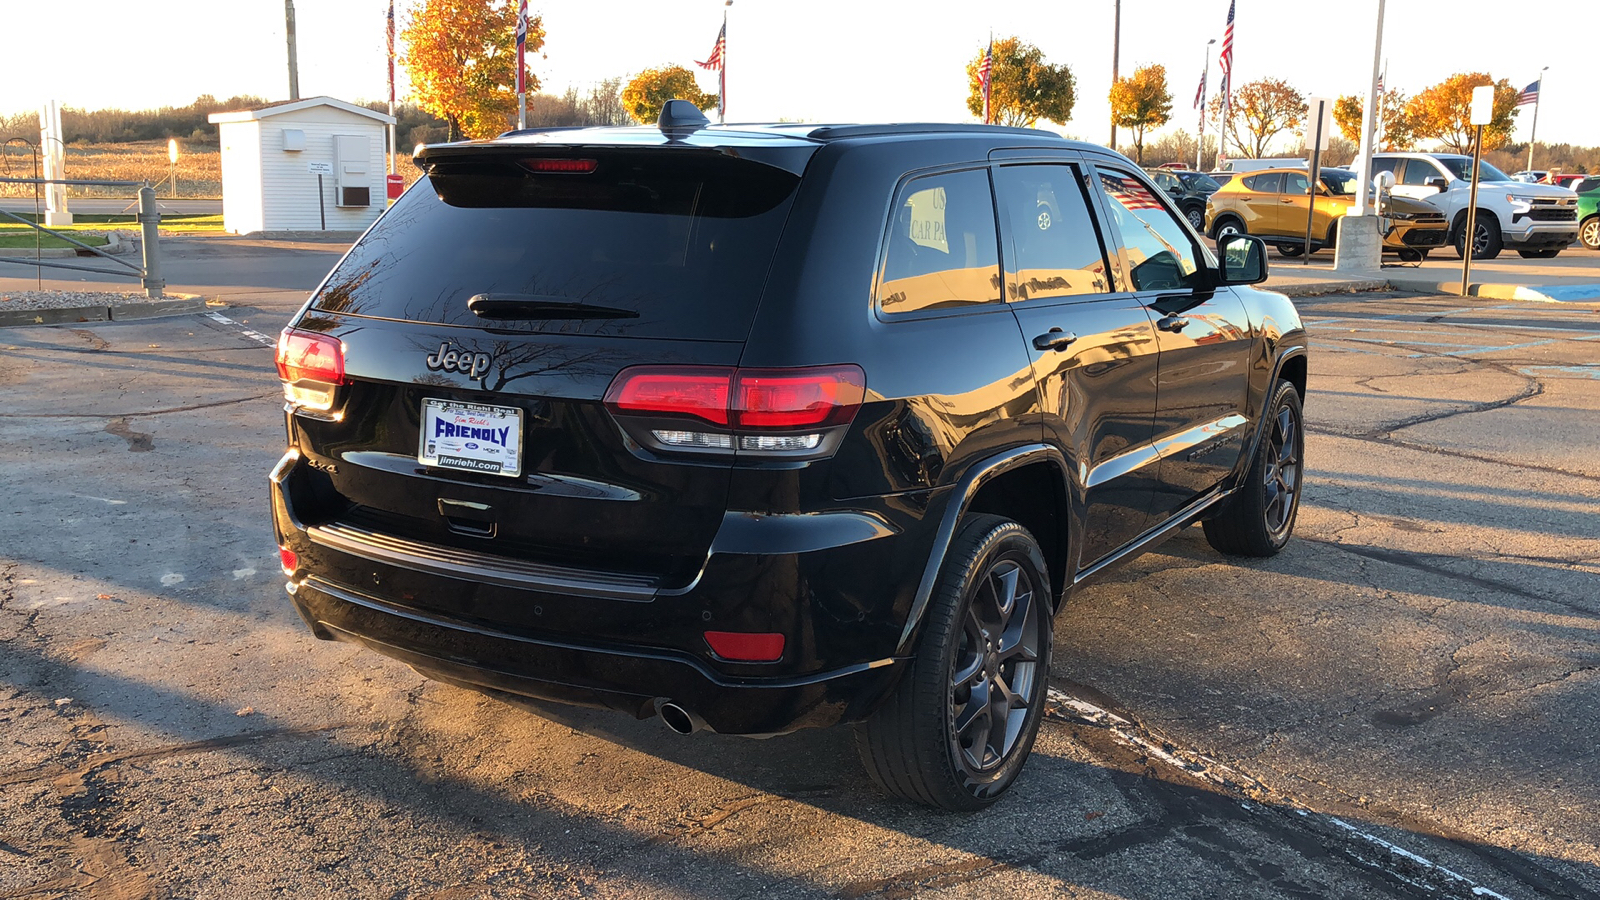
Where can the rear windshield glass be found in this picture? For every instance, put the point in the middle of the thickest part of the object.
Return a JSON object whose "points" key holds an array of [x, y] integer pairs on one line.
{"points": [[675, 247]]}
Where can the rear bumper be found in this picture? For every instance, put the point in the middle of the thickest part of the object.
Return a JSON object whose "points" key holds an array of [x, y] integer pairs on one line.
{"points": [[837, 585], [633, 681]]}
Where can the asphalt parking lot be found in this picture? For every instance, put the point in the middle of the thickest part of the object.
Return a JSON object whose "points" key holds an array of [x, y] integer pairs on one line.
{"points": [[1402, 704]]}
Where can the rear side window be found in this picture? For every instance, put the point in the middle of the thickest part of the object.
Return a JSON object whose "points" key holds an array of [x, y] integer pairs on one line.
{"points": [[676, 245], [1053, 238], [1269, 183], [943, 253], [1296, 183]]}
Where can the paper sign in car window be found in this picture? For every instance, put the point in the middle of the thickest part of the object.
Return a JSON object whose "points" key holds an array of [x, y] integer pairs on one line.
{"points": [[927, 219]]}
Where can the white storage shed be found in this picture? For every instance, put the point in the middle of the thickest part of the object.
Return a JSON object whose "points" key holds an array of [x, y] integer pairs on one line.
{"points": [[274, 158]]}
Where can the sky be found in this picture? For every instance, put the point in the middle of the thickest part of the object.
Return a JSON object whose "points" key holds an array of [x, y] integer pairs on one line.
{"points": [[817, 60]]}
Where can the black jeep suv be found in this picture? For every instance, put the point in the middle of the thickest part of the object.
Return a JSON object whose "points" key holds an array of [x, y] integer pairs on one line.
{"points": [[758, 428]]}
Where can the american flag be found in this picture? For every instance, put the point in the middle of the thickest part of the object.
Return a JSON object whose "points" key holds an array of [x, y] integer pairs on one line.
{"points": [[389, 36], [1200, 92], [717, 52], [1530, 94], [1225, 60], [984, 68], [1131, 194], [522, 45]]}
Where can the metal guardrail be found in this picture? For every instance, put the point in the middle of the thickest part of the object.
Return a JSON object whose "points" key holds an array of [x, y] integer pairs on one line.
{"points": [[149, 273]]}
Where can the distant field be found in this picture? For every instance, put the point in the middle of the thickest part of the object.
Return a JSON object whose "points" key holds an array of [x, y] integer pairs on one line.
{"points": [[199, 169]]}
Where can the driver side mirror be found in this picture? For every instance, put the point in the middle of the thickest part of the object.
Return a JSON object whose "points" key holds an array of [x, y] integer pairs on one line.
{"points": [[1244, 259], [1438, 183]]}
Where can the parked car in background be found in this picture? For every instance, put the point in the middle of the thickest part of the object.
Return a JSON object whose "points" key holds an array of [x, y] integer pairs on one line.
{"points": [[1190, 199], [665, 460], [1256, 165], [1275, 203], [1567, 179], [1588, 191], [1199, 181], [1530, 176], [1536, 220]]}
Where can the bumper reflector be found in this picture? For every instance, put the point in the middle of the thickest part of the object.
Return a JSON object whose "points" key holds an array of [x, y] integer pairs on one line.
{"points": [[289, 559], [738, 646]]}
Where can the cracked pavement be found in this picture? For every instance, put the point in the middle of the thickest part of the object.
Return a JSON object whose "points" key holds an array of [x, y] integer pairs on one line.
{"points": [[1402, 704]]}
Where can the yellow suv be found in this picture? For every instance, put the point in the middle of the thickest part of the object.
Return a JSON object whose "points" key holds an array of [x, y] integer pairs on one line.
{"points": [[1272, 205]]}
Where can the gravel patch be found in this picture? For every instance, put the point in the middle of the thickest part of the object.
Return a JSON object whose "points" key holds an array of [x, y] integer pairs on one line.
{"points": [[72, 299]]}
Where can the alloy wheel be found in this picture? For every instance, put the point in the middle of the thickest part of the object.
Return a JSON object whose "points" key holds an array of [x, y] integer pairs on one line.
{"points": [[995, 680], [1282, 476], [1590, 234]]}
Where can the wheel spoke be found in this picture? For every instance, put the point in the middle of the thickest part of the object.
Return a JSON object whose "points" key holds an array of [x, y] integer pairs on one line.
{"points": [[1006, 594], [975, 710]]}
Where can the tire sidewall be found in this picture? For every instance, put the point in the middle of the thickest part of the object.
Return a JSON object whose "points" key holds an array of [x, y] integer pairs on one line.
{"points": [[1285, 395], [1002, 540]]}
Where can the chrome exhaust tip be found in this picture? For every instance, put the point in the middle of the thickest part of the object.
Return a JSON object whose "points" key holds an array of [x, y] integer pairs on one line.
{"points": [[676, 717]]}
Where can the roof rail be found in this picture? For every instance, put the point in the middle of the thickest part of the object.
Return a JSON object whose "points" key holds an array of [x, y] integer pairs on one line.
{"points": [[837, 132]]}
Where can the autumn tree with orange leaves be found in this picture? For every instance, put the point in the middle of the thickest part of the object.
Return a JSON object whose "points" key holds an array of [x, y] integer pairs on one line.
{"points": [[461, 56], [1260, 111], [1444, 112], [1396, 134], [1141, 101]]}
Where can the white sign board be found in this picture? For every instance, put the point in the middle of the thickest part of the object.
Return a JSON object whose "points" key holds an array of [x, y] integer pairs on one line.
{"points": [[1482, 105], [1318, 110], [317, 168]]}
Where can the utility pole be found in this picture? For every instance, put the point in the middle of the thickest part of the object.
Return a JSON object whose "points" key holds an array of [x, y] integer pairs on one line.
{"points": [[1116, 52], [1200, 142], [294, 63], [1368, 117]]}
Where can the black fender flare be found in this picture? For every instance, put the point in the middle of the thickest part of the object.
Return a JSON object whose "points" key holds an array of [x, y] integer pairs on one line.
{"points": [[1243, 465], [962, 494]]}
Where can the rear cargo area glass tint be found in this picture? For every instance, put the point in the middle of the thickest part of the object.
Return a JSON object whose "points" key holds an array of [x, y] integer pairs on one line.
{"points": [[671, 247]]}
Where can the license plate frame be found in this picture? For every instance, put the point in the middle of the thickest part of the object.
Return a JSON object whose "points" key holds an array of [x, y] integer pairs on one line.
{"points": [[480, 437]]}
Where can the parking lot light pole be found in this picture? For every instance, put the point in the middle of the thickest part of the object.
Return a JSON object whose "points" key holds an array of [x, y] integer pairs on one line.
{"points": [[1368, 115], [1533, 135], [1116, 51]]}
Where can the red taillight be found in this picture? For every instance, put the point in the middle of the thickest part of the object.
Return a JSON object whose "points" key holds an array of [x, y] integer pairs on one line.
{"points": [[698, 391], [305, 356], [569, 166], [289, 560], [743, 399], [739, 646], [797, 398]]}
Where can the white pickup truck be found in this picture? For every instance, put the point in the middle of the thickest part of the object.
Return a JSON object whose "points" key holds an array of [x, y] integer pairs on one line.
{"points": [[1536, 220]]}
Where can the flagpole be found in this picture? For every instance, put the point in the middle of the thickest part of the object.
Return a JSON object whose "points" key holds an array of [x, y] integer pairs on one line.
{"points": [[522, 72], [1200, 142], [390, 36], [1537, 100], [722, 71], [988, 78], [1377, 120]]}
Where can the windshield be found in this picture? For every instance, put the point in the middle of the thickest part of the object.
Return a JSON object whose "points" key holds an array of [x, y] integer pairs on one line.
{"points": [[1198, 181], [1459, 166], [1340, 184]]}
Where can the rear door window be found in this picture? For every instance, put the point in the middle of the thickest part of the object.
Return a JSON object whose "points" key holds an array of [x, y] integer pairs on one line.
{"points": [[673, 245], [943, 255], [1296, 183], [1268, 183], [1052, 237], [1418, 172]]}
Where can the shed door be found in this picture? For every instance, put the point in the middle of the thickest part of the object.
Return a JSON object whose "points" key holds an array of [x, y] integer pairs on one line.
{"points": [[351, 157]]}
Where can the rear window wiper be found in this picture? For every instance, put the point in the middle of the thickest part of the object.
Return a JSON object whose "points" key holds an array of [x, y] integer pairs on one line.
{"points": [[541, 306]]}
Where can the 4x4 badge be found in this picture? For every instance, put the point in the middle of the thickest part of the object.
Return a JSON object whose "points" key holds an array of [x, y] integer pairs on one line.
{"points": [[475, 365]]}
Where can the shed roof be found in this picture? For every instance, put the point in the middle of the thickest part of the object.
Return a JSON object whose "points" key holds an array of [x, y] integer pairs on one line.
{"points": [[293, 106]]}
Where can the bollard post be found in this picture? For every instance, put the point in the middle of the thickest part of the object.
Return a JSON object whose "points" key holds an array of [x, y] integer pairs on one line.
{"points": [[149, 219]]}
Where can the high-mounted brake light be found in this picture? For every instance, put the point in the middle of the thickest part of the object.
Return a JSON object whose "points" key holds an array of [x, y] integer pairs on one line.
{"points": [[568, 166], [311, 366], [762, 408]]}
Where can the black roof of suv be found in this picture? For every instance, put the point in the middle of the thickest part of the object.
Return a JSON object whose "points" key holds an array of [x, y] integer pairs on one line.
{"points": [[756, 428]]}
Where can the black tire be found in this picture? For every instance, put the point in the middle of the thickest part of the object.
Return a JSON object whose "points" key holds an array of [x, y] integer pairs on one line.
{"points": [[1225, 225], [1422, 254], [914, 746], [1291, 249], [1407, 254], [1589, 232], [1546, 253], [1259, 517], [1487, 244]]}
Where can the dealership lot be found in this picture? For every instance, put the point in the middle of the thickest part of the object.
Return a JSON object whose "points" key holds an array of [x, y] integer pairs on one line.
{"points": [[1415, 674]]}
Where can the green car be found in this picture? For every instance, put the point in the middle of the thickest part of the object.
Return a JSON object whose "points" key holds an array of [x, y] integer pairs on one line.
{"points": [[1589, 211]]}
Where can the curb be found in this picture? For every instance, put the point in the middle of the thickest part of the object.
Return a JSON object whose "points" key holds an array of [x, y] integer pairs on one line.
{"points": [[1553, 293], [1316, 288], [73, 315]]}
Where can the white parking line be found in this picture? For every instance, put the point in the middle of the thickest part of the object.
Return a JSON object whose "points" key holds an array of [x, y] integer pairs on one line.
{"points": [[256, 336]]}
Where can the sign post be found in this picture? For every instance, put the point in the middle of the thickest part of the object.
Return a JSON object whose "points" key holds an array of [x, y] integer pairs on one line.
{"points": [[1482, 114], [320, 169], [1319, 120]]}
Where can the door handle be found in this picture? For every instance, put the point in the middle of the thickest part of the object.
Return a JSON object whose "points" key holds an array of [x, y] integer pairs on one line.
{"points": [[1054, 339], [1173, 324]]}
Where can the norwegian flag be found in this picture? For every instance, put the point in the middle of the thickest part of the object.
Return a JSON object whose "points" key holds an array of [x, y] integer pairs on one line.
{"points": [[984, 69], [522, 46]]}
